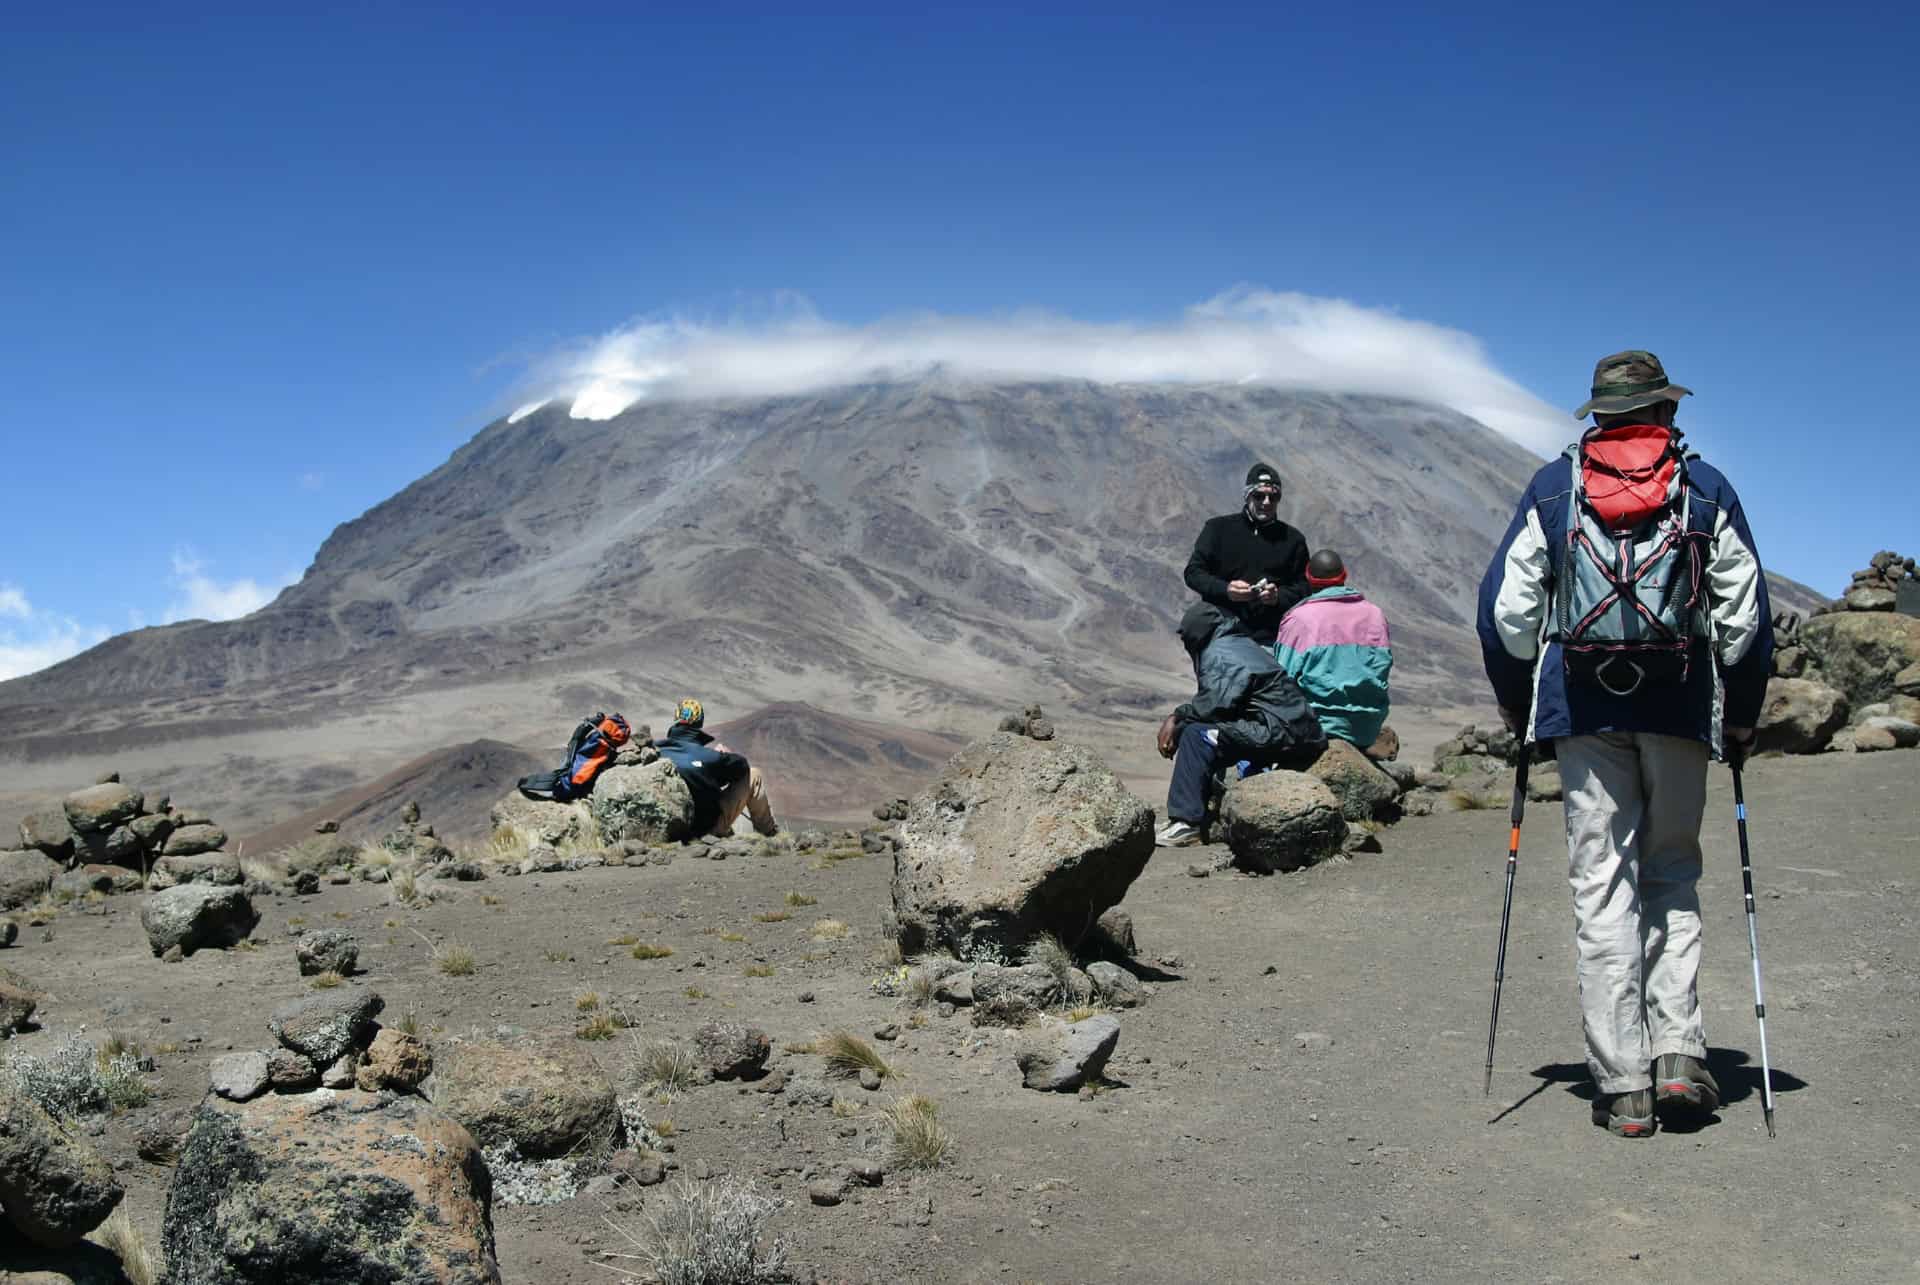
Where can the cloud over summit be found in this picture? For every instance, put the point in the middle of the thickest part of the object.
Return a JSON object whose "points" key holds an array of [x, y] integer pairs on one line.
{"points": [[1247, 335]]}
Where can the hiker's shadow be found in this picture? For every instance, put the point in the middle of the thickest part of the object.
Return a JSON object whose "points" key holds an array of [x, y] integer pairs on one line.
{"points": [[1732, 1069]]}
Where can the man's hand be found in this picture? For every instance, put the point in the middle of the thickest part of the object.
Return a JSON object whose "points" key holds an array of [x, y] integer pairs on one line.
{"points": [[1239, 591], [1268, 592], [1515, 720], [1736, 743], [1165, 738]]}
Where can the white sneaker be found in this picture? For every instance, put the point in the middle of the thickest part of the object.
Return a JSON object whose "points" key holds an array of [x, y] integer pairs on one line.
{"points": [[1176, 834]]}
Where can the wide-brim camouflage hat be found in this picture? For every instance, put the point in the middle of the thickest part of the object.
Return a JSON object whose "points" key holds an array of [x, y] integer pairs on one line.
{"points": [[1627, 381]]}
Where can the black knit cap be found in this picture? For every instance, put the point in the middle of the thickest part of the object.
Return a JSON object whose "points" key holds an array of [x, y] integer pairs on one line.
{"points": [[1262, 475]]}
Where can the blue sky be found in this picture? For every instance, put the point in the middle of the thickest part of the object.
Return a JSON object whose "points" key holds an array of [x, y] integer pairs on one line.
{"points": [[257, 271]]}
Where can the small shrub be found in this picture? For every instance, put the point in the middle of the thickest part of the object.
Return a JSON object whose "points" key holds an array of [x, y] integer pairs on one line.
{"points": [[664, 1127], [694, 992], [375, 857], [455, 960], [848, 1055], [76, 1079], [601, 1026], [624, 939], [586, 1001], [759, 970], [829, 930], [508, 845], [325, 981], [919, 989], [711, 1233], [919, 1140], [404, 885], [557, 957], [773, 916], [127, 1243], [1049, 953], [651, 950], [391, 923], [296, 921], [666, 1066], [916, 1021], [409, 1024], [488, 899], [845, 1108], [801, 899]]}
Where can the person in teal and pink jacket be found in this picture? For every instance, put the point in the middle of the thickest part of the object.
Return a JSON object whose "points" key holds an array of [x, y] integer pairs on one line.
{"points": [[1335, 645]]}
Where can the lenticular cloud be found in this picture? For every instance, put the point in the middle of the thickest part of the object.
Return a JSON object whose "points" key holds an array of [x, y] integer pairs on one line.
{"points": [[1244, 336]]}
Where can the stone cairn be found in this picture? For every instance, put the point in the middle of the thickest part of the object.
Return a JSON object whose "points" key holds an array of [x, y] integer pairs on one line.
{"points": [[1474, 769], [1889, 583], [1847, 678]]}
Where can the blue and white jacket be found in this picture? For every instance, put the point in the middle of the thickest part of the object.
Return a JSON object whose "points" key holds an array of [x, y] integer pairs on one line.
{"points": [[1727, 679]]}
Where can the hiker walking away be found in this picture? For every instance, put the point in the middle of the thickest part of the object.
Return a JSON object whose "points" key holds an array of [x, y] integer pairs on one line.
{"points": [[1250, 564], [1335, 645], [1624, 621], [1245, 710], [723, 783]]}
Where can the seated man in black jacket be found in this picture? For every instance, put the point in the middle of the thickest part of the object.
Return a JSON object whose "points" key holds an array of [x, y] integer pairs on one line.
{"points": [[1246, 708], [1250, 564], [723, 784]]}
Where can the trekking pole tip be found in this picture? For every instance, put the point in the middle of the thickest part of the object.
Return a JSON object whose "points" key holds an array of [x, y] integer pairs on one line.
{"points": [[1770, 1132]]}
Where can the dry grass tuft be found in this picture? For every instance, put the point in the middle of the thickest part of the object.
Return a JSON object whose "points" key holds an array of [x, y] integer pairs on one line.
{"points": [[665, 1066], [919, 1140], [586, 1001], [802, 1046], [557, 957], [801, 899], [325, 981], [488, 899], [1050, 953], [734, 937], [694, 992], [601, 1026], [830, 930], [409, 1024], [845, 1108], [650, 950], [1083, 1012], [1467, 801], [773, 916], [758, 970], [454, 960], [508, 845], [848, 1055], [119, 1237], [624, 939]]}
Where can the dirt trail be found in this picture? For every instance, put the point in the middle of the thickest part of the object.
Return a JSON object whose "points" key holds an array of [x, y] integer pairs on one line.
{"points": [[1229, 1151]]}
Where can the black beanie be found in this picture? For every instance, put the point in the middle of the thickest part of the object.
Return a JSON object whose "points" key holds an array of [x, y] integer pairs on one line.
{"points": [[1262, 475]]}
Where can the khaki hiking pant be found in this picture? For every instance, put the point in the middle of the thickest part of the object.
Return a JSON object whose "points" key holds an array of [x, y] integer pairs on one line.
{"points": [[1633, 804], [748, 795]]}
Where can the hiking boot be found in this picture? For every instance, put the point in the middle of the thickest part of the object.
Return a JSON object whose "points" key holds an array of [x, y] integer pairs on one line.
{"points": [[1625, 1115], [1177, 834], [1682, 1085]]}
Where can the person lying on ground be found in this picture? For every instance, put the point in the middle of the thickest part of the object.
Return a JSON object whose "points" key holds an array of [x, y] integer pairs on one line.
{"points": [[1624, 622], [723, 783], [1250, 564], [1335, 645], [1245, 708]]}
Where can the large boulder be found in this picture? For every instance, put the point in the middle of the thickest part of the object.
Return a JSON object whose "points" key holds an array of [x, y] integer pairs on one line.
{"points": [[25, 878], [192, 840], [327, 1024], [47, 830], [100, 808], [197, 915], [542, 820], [1012, 996], [1281, 821], [545, 1097], [326, 950], [1366, 793], [732, 1051], [1862, 652], [1019, 837], [1904, 734], [395, 1060], [211, 867], [1799, 715], [119, 846], [81, 880], [55, 1187], [648, 803], [339, 1186], [18, 998]]}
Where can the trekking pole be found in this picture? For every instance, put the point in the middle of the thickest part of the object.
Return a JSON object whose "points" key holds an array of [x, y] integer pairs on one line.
{"points": [[1753, 948], [1506, 907]]}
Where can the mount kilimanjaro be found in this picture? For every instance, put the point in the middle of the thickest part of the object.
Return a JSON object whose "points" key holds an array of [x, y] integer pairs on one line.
{"points": [[874, 571]]}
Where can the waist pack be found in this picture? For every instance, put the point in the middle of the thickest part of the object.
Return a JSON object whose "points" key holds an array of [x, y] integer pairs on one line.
{"points": [[589, 750], [1628, 581]]}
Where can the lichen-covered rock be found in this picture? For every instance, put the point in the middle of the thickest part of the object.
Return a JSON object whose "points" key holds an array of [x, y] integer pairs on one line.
{"points": [[1365, 792], [100, 808], [1019, 837], [732, 1051], [192, 840], [325, 1025], [1011, 996], [1281, 820], [25, 877], [152, 830], [545, 1097], [55, 1188], [395, 1060], [194, 916], [543, 821], [326, 950], [81, 880], [329, 1187], [239, 1076], [649, 803], [1862, 653], [211, 867], [1799, 716], [117, 846], [1115, 985], [48, 831]]}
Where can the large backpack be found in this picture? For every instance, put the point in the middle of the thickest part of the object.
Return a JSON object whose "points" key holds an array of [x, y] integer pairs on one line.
{"points": [[1629, 598], [591, 747]]}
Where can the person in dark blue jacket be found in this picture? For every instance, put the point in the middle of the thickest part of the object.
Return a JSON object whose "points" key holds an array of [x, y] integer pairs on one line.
{"points": [[1635, 684], [723, 784]]}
